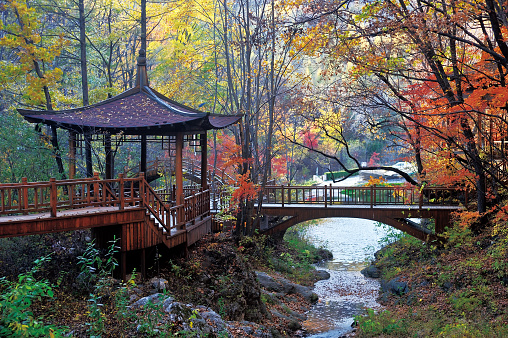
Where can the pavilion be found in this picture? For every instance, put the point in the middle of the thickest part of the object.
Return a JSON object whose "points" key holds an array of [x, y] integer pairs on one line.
{"points": [[140, 112], [144, 115]]}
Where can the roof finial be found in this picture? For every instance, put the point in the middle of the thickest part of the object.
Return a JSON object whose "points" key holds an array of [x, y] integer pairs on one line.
{"points": [[142, 76]]}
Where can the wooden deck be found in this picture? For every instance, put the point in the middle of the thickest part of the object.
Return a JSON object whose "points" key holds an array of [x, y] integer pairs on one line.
{"points": [[127, 209]]}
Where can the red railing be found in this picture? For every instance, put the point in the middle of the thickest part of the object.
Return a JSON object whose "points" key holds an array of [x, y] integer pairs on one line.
{"points": [[39, 197]]}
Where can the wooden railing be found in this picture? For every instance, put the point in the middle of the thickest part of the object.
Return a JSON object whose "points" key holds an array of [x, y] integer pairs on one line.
{"points": [[39, 197], [197, 205], [165, 215], [159, 165], [373, 195], [169, 196]]}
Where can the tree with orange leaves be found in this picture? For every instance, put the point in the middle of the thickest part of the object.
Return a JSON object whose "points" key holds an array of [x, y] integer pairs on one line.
{"points": [[438, 67]]}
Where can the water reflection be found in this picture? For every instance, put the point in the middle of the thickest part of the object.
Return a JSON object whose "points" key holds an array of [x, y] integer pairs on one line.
{"points": [[347, 292]]}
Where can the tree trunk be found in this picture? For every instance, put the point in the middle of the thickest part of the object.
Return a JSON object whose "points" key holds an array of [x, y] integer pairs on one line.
{"points": [[82, 50]]}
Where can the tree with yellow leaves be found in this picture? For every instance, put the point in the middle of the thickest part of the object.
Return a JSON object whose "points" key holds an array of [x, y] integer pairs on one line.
{"points": [[33, 60]]}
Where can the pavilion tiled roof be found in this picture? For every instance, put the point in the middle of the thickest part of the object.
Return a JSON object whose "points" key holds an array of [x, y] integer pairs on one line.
{"points": [[137, 111]]}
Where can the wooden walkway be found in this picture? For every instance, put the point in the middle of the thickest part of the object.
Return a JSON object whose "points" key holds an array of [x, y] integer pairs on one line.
{"points": [[394, 206], [129, 209], [125, 208]]}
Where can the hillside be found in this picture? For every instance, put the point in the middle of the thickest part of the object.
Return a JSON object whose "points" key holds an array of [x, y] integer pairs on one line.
{"points": [[458, 289]]}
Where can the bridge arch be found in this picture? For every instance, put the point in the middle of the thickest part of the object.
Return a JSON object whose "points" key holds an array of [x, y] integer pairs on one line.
{"points": [[394, 216]]}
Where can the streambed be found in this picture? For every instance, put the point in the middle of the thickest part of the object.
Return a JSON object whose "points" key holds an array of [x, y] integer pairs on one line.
{"points": [[347, 293]]}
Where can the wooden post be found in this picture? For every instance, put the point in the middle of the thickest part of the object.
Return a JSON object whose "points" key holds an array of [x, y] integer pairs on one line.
{"points": [[282, 195], [88, 154], [326, 196], [420, 201], [72, 155], [441, 221], [371, 196], [121, 191], [204, 160], [109, 156], [24, 190], [179, 169], [142, 188], [142, 162], [53, 197], [167, 215], [71, 195], [96, 179]]}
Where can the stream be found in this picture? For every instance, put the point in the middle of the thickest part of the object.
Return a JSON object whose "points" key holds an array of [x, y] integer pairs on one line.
{"points": [[347, 293]]}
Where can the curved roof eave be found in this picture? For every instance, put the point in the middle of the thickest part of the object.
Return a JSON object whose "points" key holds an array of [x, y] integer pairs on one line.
{"points": [[138, 111]]}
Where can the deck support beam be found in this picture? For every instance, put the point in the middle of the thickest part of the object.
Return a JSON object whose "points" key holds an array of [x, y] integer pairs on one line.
{"points": [[123, 265], [143, 263]]}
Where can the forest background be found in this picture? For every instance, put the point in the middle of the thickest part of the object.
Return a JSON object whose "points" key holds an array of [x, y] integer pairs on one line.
{"points": [[322, 85]]}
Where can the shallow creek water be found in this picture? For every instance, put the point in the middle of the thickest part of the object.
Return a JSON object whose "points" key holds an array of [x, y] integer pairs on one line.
{"points": [[347, 293]]}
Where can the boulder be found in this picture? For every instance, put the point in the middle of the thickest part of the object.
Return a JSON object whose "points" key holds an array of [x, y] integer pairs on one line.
{"points": [[268, 282], [282, 285], [322, 275], [201, 321], [252, 330], [159, 284], [394, 286], [306, 293], [155, 298], [294, 325], [371, 271], [324, 255]]}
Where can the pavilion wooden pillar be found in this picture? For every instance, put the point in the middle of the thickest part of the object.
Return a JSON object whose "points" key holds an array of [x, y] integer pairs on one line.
{"points": [[204, 161], [72, 155], [142, 165], [109, 157], [88, 154], [179, 169]]}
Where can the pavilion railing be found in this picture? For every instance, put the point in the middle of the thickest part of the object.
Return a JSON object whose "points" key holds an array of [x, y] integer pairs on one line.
{"points": [[40, 197], [169, 196]]}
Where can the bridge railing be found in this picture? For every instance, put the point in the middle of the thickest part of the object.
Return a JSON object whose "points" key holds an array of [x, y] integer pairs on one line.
{"points": [[372, 195], [39, 197]]}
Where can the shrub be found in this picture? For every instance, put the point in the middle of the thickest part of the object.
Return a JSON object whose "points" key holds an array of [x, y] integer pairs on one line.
{"points": [[17, 318], [375, 324]]}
